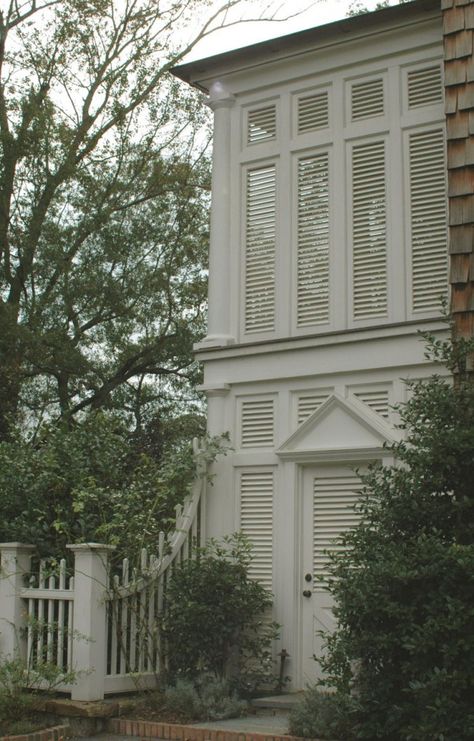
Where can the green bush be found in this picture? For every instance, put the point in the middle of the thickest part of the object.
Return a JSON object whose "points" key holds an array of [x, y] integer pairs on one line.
{"points": [[89, 482], [208, 699], [322, 715], [404, 593], [215, 619]]}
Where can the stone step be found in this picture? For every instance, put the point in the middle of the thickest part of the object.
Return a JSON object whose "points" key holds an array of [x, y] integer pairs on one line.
{"points": [[276, 704]]}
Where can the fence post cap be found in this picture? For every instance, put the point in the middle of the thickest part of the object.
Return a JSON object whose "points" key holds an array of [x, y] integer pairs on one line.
{"points": [[91, 547], [15, 546]]}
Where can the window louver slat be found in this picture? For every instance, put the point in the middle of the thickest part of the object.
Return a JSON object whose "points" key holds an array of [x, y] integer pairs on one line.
{"points": [[308, 403], [376, 400], [369, 227], [256, 522], [257, 423], [313, 241], [428, 219], [313, 112], [425, 87], [367, 99], [260, 250], [261, 125], [333, 514]]}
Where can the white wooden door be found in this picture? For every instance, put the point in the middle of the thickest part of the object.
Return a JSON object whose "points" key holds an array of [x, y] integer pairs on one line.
{"points": [[329, 495]]}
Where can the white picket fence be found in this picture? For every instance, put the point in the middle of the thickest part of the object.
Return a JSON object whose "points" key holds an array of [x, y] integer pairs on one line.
{"points": [[102, 627]]}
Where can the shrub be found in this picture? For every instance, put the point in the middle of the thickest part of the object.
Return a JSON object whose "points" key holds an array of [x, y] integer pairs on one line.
{"points": [[322, 715], [207, 699], [404, 592], [215, 619]]}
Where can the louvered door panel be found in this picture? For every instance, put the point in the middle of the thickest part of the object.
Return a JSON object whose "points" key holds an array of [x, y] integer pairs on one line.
{"points": [[256, 521], [376, 400], [428, 219], [313, 241], [334, 498], [367, 99], [260, 250], [257, 423], [261, 125], [369, 231], [425, 86], [313, 112], [308, 403]]}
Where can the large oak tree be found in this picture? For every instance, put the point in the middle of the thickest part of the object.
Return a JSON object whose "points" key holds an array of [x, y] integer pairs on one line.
{"points": [[103, 194]]}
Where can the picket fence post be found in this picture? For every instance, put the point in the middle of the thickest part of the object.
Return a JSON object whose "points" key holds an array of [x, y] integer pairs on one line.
{"points": [[15, 563], [91, 562]]}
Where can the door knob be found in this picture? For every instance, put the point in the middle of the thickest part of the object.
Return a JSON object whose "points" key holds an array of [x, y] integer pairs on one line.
{"points": [[307, 593]]}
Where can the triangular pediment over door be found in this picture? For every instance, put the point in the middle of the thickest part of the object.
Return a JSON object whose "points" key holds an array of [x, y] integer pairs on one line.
{"points": [[339, 428]]}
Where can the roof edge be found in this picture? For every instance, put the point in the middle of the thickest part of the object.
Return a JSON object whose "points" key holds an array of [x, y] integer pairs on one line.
{"points": [[206, 66]]}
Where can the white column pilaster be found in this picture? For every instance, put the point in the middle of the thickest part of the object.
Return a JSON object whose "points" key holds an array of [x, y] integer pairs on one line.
{"points": [[218, 330]]}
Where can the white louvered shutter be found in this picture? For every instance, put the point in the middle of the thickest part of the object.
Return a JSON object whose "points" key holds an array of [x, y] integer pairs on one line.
{"points": [[313, 112], [257, 423], [261, 125], [425, 86], [369, 231], [376, 400], [334, 498], [367, 99], [428, 219], [312, 302], [256, 521], [260, 249], [308, 403]]}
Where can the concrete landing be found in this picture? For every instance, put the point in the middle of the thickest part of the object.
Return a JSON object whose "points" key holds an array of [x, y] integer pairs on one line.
{"points": [[273, 725]]}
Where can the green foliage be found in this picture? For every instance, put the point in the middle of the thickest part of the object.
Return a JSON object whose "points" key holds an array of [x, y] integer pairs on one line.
{"points": [[18, 707], [215, 616], [89, 483], [209, 699], [322, 715], [404, 647], [104, 183]]}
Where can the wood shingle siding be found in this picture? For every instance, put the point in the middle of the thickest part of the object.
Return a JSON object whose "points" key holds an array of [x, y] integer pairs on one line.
{"points": [[458, 28]]}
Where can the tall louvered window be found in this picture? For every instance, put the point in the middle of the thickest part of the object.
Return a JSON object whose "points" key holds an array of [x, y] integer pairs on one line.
{"points": [[308, 403], [257, 423], [334, 498], [367, 99], [260, 249], [256, 521], [428, 219], [313, 112], [377, 400], [369, 231], [261, 125], [425, 86], [312, 301]]}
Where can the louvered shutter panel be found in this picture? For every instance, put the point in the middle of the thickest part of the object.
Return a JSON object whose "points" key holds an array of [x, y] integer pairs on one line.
{"points": [[256, 521], [308, 403], [334, 498], [260, 249], [313, 241], [369, 231], [428, 219], [313, 112], [425, 86], [367, 99], [376, 400], [257, 423], [261, 125]]}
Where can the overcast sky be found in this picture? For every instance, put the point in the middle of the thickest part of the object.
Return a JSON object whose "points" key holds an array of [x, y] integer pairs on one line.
{"points": [[309, 14]]}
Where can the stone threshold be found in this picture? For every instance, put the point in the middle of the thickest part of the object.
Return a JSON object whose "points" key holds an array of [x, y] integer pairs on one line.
{"points": [[57, 733], [148, 729]]}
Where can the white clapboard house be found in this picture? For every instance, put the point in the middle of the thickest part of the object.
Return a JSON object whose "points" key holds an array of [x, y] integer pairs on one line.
{"points": [[328, 254]]}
